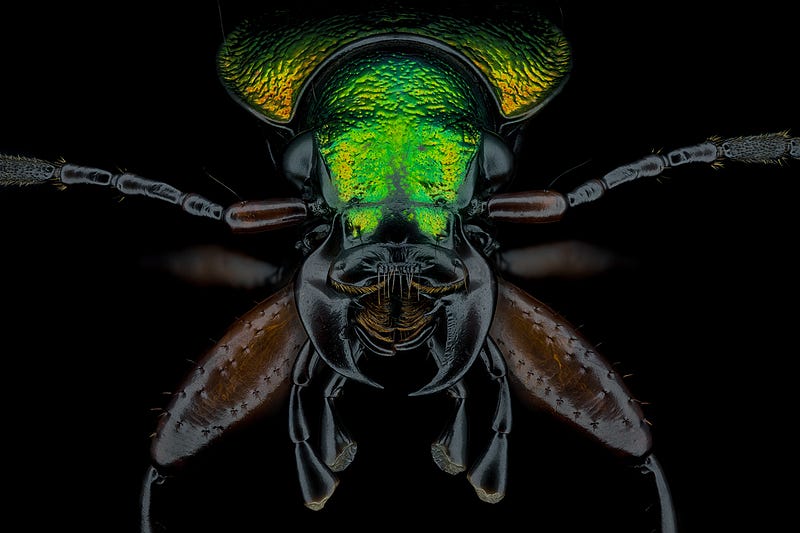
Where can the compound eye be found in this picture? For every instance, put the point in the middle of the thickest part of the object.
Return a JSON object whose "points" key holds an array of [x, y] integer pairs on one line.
{"points": [[298, 159], [497, 163]]}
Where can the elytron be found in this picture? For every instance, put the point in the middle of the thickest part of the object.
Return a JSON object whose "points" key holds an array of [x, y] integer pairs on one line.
{"points": [[400, 135]]}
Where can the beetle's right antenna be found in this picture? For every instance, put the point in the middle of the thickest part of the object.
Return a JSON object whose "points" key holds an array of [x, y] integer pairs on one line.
{"points": [[768, 148], [542, 206]]}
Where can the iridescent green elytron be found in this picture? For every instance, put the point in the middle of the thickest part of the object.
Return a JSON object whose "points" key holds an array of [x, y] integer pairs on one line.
{"points": [[397, 133], [267, 63]]}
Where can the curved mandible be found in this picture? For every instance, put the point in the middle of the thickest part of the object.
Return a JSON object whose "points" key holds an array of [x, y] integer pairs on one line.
{"points": [[325, 312], [467, 316]]}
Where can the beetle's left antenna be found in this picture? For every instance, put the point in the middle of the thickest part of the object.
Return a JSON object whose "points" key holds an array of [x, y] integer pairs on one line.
{"points": [[17, 170], [243, 217], [32, 171], [221, 24]]}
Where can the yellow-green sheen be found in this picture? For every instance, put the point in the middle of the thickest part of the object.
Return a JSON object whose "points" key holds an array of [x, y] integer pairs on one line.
{"points": [[397, 133], [267, 63]]}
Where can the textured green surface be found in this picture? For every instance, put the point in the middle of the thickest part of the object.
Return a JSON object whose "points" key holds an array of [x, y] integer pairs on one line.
{"points": [[397, 132], [266, 63]]}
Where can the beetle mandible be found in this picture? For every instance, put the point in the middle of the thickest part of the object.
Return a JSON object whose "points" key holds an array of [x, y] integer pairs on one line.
{"points": [[398, 238]]}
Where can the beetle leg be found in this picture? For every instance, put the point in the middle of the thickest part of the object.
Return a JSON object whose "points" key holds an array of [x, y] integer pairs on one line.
{"points": [[212, 265], [552, 366], [242, 377], [488, 475], [338, 448], [668, 520], [317, 481], [152, 479], [450, 449], [562, 259]]}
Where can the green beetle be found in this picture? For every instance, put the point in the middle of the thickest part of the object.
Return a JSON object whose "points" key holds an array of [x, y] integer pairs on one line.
{"points": [[399, 130]]}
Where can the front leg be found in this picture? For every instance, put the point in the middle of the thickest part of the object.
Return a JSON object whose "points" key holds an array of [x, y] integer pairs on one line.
{"points": [[317, 481], [449, 451], [338, 447], [244, 376], [488, 474]]}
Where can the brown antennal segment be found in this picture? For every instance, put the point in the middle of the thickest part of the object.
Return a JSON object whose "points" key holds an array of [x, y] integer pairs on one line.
{"points": [[265, 215], [529, 207]]}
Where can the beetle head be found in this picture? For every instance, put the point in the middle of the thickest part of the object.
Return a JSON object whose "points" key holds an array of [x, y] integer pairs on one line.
{"points": [[394, 296], [398, 148]]}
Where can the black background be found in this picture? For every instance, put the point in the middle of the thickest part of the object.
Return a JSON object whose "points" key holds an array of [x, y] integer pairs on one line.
{"points": [[705, 322]]}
